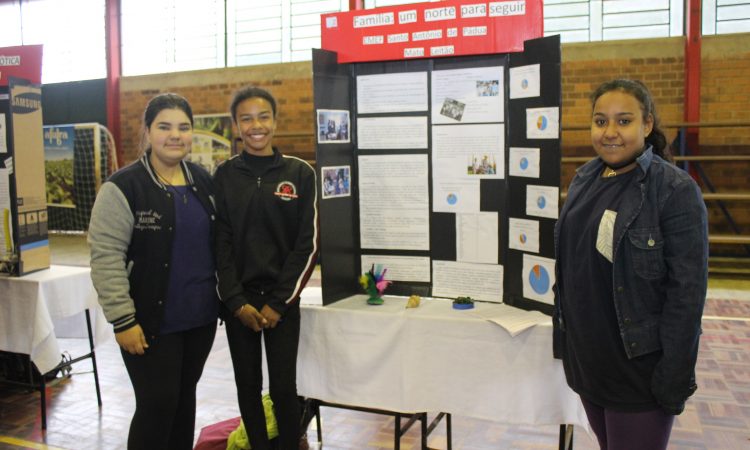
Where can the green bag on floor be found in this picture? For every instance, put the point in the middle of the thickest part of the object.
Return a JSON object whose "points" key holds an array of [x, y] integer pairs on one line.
{"points": [[238, 438]]}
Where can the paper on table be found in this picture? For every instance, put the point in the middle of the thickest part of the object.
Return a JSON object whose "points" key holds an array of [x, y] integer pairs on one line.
{"points": [[511, 319]]}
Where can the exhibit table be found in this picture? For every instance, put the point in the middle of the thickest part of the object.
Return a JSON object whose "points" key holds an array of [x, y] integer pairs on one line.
{"points": [[432, 359], [39, 308]]}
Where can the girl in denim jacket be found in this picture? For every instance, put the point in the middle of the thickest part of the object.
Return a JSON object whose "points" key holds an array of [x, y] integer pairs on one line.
{"points": [[632, 269]]}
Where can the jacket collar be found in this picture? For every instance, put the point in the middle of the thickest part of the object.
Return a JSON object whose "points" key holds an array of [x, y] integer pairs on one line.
{"points": [[277, 157]]}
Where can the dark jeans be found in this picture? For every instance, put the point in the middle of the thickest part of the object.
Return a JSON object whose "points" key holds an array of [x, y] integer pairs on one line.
{"points": [[164, 380], [281, 355], [648, 430]]}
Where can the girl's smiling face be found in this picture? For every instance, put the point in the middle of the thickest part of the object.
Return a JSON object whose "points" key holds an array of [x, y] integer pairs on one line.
{"points": [[618, 128]]}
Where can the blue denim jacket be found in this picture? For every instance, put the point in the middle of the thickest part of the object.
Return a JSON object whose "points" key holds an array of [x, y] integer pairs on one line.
{"points": [[659, 271]]}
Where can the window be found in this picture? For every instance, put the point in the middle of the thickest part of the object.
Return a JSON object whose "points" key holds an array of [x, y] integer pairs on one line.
{"points": [[160, 36], [276, 31], [725, 16], [606, 20], [72, 33]]}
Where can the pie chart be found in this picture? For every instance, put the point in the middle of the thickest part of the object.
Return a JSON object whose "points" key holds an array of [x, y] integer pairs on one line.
{"points": [[541, 123], [524, 163], [539, 279]]}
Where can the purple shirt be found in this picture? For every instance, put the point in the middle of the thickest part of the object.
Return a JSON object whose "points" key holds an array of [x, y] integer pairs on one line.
{"points": [[192, 300]]}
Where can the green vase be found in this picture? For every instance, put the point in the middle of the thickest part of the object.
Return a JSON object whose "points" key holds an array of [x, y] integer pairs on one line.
{"points": [[375, 301]]}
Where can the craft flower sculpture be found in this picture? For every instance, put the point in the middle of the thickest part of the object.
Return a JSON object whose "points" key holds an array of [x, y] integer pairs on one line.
{"points": [[374, 283]]}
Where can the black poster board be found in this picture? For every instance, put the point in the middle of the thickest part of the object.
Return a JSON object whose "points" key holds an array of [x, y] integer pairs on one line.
{"points": [[335, 89]]}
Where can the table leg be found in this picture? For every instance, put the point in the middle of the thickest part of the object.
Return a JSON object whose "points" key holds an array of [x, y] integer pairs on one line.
{"points": [[397, 433], [423, 419], [93, 358], [448, 430], [566, 437], [43, 396]]}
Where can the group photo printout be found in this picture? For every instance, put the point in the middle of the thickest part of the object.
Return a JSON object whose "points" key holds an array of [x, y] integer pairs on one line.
{"points": [[461, 156], [467, 95]]}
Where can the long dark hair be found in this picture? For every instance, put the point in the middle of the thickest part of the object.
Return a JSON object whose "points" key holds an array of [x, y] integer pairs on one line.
{"points": [[640, 92], [158, 104]]}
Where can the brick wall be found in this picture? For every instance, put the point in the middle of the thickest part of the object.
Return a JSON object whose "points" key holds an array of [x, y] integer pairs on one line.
{"points": [[725, 97], [210, 92]]}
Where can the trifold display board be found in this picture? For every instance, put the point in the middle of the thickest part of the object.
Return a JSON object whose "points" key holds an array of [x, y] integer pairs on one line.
{"points": [[24, 246], [445, 171]]}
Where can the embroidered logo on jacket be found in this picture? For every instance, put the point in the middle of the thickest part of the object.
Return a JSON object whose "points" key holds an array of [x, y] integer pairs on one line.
{"points": [[148, 220], [286, 191]]}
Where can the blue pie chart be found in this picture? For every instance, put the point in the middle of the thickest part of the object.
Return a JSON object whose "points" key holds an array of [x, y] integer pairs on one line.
{"points": [[524, 163], [539, 279]]}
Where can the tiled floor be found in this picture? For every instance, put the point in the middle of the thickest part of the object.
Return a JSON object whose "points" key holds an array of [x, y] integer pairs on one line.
{"points": [[716, 418]]}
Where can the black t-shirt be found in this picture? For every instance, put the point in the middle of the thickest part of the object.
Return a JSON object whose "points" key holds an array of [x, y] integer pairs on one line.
{"points": [[596, 365]]}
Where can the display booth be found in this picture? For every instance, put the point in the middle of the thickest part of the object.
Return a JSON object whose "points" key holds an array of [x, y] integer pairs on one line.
{"points": [[78, 158], [441, 164], [24, 247]]}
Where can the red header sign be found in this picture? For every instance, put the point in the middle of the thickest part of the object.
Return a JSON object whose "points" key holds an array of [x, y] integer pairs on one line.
{"points": [[430, 30], [21, 62]]}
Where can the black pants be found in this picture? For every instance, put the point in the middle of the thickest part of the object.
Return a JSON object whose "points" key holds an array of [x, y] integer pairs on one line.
{"points": [[281, 348], [164, 380], [646, 430]]}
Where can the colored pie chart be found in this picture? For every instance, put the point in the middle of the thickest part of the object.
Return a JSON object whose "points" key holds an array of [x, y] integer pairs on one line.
{"points": [[541, 202], [541, 123], [524, 163], [539, 279]]}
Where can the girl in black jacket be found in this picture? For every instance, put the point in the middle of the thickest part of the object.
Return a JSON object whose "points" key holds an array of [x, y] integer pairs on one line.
{"points": [[153, 267]]}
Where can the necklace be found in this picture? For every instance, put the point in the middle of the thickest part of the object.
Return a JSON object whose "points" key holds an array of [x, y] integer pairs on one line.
{"points": [[174, 189], [610, 172]]}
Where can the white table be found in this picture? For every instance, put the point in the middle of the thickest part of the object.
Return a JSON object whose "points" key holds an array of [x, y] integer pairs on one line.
{"points": [[39, 308], [432, 359]]}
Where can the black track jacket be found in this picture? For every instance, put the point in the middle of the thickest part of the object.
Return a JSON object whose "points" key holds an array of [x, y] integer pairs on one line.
{"points": [[266, 232]]}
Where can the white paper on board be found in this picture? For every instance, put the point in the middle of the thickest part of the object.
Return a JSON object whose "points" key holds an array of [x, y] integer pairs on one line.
{"points": [[3, 134], [523, 162], [543, 123], [461, 156], [542, 201], [393, 92], [469, 95], [477, 237], [538, 277], [394, 202], [457, 279], [524, 81], [400, 268], [383, 133], [523, 235]]}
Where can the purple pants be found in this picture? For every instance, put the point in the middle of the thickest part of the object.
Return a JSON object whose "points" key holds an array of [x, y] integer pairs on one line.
{"points": [[648, 430]]}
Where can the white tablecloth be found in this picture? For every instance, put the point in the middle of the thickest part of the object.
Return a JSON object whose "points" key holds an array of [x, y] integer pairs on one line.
{"points": [[432, 358], [39, 308]]}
